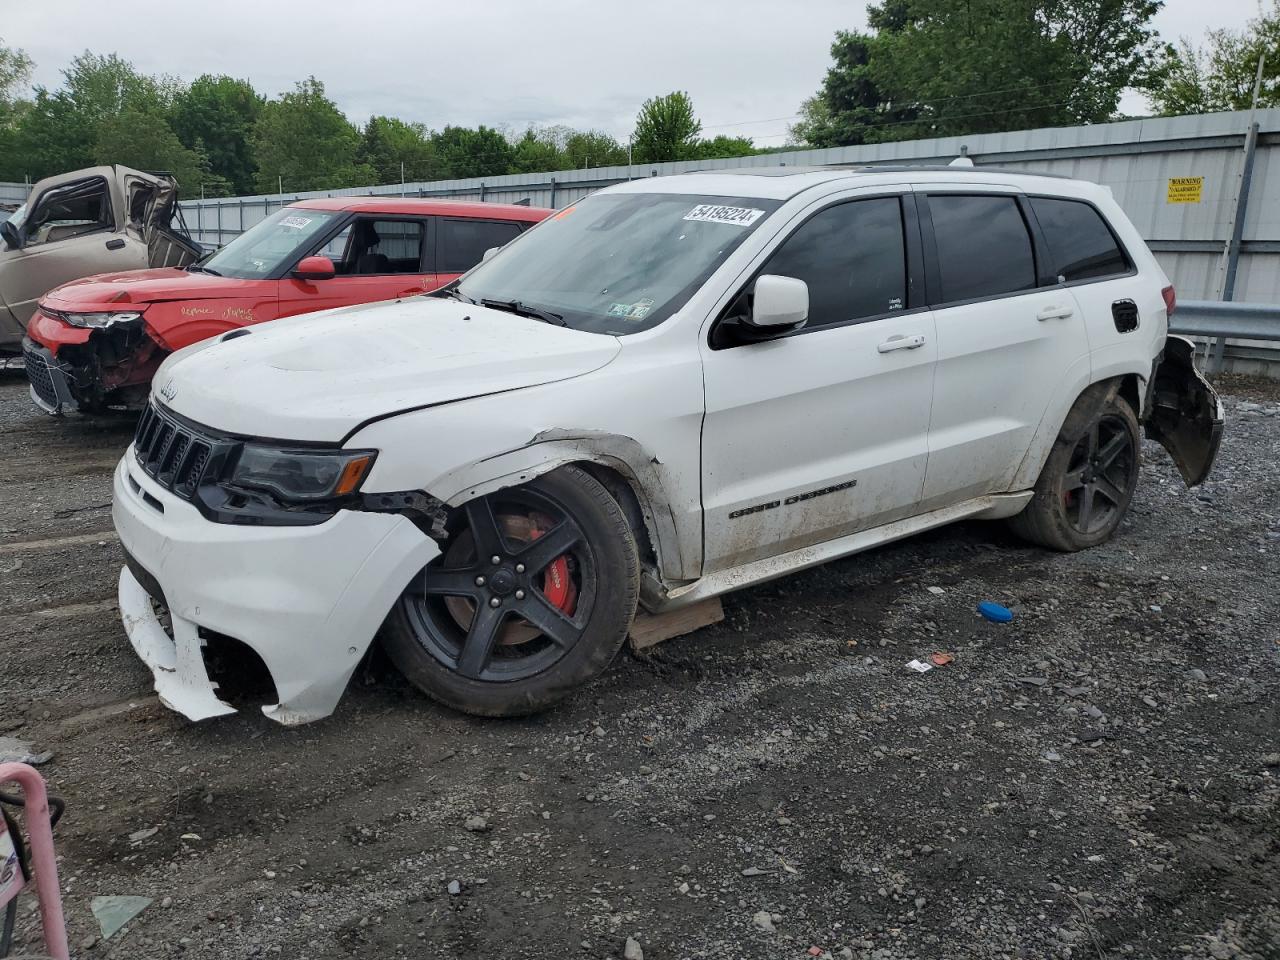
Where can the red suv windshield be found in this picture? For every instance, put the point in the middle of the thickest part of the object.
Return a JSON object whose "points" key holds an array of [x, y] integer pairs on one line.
{"points": [[269, 246]]}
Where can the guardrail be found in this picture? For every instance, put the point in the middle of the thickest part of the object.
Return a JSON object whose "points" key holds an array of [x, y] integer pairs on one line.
{"points": [[1227, 319], [1218, 321]]}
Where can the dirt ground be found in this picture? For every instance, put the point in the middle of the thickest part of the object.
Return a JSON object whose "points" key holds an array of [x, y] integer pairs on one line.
{"points": [[1097, 779]]}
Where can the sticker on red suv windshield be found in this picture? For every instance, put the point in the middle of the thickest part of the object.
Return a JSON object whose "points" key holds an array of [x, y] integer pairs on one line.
{"points": [[714, 213], [297, 223]]}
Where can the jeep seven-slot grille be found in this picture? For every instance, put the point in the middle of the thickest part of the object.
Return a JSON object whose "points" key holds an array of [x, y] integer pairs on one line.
{"points": [[172, 453]]}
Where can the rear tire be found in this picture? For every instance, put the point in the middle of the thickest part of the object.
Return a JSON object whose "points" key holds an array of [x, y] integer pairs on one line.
{"points": [[1087, 484], [561, 612]]}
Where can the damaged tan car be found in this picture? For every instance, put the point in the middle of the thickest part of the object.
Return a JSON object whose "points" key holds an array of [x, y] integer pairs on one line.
{"points": [[96, 220]]}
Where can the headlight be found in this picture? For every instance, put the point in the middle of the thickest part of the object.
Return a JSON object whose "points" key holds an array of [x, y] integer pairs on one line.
{"points": [[99, 321], [301, 474]]}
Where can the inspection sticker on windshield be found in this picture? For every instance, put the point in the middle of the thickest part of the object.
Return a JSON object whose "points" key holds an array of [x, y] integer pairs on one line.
{"points": [[714, 213], [632, 311], [297, 223]]}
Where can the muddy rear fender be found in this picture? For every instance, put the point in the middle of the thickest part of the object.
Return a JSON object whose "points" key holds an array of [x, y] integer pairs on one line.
{"points": [[1184, 414]]}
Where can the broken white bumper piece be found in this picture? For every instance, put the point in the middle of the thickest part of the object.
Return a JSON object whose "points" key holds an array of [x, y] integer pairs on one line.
{"points": [[307, 600]]}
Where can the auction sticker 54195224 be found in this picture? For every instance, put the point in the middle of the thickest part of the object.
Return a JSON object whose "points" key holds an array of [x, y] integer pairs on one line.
{"points": [[715, 213]]}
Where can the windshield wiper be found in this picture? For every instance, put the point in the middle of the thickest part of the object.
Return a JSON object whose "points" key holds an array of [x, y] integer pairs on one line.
{"points": [[451, 292], [524, 310], [197, 268]]}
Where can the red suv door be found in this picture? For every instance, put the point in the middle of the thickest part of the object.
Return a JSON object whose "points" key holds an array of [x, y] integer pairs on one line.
{"points": [[376, 257]]}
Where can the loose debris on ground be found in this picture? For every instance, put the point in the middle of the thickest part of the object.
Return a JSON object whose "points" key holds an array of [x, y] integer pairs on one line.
{"points": [[1096, 779]]}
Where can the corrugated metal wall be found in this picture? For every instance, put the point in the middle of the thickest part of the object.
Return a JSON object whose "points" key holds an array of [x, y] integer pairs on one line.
{"points": [[1135, 158], [14, 192]]}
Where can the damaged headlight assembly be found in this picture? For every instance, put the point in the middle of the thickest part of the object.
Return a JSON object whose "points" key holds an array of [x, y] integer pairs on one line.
{"points": [[100, 321], [300, 475]]}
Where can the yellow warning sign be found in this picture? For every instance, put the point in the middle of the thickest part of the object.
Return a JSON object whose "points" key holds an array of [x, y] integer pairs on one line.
{"points": [[1185, 189]]}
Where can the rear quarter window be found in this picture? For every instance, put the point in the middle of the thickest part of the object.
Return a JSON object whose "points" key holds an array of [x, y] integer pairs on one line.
{"points": [[462, 243], [1081, 244]]}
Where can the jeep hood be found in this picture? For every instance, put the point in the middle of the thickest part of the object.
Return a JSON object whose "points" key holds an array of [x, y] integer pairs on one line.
{"points": [[318, 377], [116, 291]]}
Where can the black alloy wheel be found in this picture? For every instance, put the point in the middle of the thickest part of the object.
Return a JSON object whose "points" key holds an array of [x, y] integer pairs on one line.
{"points": [[1088, 481], [512, 595], [532, 596], [1100, 480]]}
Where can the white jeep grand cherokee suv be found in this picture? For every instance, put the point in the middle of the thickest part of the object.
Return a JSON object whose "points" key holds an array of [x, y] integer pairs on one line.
{"points": [[675, 388]]}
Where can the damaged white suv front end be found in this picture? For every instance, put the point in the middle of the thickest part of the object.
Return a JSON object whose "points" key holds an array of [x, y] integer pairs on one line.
{"points": [[252, 546], [675, 388]]}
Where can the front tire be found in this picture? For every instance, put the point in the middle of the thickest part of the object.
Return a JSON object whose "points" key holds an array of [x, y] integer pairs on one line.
{"points": [[532, 597], [1087, 484]]}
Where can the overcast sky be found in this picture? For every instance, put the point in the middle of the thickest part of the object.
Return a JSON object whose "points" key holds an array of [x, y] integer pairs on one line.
{"points": [[747, 63]]}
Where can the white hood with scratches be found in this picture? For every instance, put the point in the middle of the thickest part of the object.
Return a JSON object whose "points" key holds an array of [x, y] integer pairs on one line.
{"points": [[316, 377]]}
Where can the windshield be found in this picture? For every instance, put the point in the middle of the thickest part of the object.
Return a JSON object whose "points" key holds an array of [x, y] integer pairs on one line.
{"points": [[273, 244], [618, 263]]}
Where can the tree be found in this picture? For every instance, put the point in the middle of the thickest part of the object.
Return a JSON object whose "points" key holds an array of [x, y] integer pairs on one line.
{"points": [[537, 151], [15, 72], [850, 108], [388, 142], [304, 141], [103, 87], [144, 140], [1010, 64], [60, 130], [666, 129], [50, 137], [591, 148], [723, 146], [463, 152], [216, 116], [1221, 77]]}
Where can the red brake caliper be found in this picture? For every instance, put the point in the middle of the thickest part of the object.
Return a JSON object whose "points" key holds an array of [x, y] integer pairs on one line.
{"points": [[557, 585]]}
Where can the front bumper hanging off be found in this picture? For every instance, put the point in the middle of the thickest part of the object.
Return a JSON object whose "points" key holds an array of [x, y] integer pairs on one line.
{"points": [[50, 386], [307, 600]]}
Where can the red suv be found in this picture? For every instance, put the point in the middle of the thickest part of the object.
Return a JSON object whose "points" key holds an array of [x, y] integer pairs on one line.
{"points": [[97, 342]]}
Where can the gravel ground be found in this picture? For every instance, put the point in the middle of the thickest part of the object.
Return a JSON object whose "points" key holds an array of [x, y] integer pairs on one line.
{"points": [[1097, 779]]}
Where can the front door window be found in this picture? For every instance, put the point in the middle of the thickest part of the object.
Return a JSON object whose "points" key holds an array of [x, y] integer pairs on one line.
{"points": [[370, 248], [70, 210]]}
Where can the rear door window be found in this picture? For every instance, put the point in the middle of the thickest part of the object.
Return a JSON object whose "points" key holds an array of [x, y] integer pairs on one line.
{"points": [[462, 243], [984, 247], [852, 257], [1080, 242]]}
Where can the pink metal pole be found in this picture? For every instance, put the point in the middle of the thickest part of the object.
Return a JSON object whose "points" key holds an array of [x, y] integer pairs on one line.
{"points": [[43, 859]]}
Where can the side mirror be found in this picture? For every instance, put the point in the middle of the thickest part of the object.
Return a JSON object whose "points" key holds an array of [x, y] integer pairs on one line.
{"points": [[489, 253], [778, 304], [314, 268], [12, 239]]}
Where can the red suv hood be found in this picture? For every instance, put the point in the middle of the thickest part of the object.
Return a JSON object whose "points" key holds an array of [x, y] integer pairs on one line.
{"points": [[139, 286]]}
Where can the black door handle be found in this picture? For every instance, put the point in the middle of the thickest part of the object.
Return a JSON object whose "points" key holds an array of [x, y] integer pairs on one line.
{"points": [[116, 244]]}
